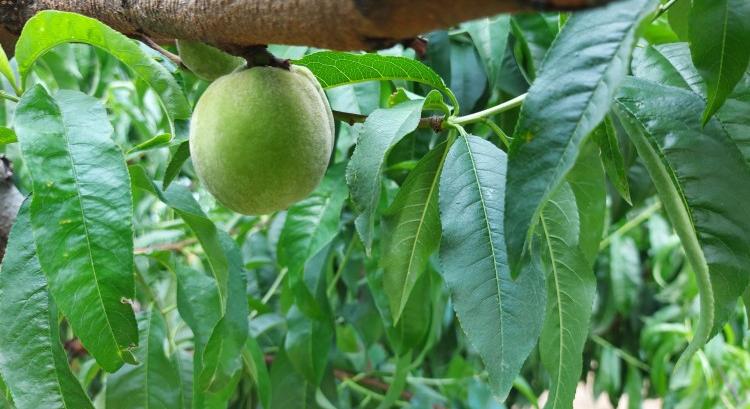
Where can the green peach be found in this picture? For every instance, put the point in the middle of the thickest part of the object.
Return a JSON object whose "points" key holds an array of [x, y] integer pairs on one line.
{"points": [[261, 138]]}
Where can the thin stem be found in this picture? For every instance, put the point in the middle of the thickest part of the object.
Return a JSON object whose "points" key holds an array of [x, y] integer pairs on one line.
{"points": [[663, 8], [271, 291], [174, 58], [9, 97], [619, 352], [431, 122], [477, 117], [631, 224], [504, 138], [342, 265]]}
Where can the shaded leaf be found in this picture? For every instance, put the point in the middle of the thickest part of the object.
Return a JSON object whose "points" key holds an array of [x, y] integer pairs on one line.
{"points": [[33, 358], [501, 317], [565, 104], [155, 382], [714, 194], [571, 286], [587, 181], [614, 163], [289, 390], [256, 364], [81, 214], [411, 230], [490, 36], [382, 130], [719, 33]]}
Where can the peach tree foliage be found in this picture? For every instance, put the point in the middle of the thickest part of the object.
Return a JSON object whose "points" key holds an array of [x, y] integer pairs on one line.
{"points": [[538, 197]]}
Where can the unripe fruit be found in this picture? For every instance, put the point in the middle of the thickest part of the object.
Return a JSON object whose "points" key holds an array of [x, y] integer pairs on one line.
{"points": [[261, 138], [207, 62]]}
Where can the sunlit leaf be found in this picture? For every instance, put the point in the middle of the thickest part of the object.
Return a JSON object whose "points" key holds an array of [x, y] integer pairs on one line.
{"points": [[81, 214]]}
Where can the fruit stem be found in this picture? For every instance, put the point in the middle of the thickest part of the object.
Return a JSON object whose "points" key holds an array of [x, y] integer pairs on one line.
{"points": [[259, 56]]}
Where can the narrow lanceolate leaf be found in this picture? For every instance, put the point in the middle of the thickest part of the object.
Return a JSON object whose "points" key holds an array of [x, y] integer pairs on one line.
{"points": [[490, 36], [289, 390], [155, 381], [48, 29], [309, 337], [382, 130], [501, 316], [719, 33], [223, 347], [334, 69], [33, 358], [411, 230], [624, 272], [714, 194], [311, 224], [81, 214], [614, 163], [587, 181], [256, 364], [571, 95], [570, 295]]}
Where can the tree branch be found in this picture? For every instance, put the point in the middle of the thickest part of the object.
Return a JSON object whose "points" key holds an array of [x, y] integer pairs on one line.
{"points": [[334, 24], [10, 202]]}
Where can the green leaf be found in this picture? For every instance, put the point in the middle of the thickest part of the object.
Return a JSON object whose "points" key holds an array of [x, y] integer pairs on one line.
{"points": [[668, 64], [334, 69], [157, 141], [614, 163], [490, 36], [625, 273], [569, 98], [411, 230], [719, 33], [678, 17], [81, 215], [309, 337], [289, 390], [7, 71], [256, 364], [182, 202], [501, 316], [48, 29], [588, 184], [571, 286], [403, 365], [155, 382], [221, 359], [180, 155], [381, 131], [714, 195], [33, 358], [312, 224], [7, 136]]}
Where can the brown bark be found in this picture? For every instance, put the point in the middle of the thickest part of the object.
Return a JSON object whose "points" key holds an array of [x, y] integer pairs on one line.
{"points": [[334, 24], [10, 202]]}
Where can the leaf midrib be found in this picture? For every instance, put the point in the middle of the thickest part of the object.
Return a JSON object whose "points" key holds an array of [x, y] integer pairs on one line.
{"points": [[559, 309], [409, 271], [492, 246], [69, 155]]}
